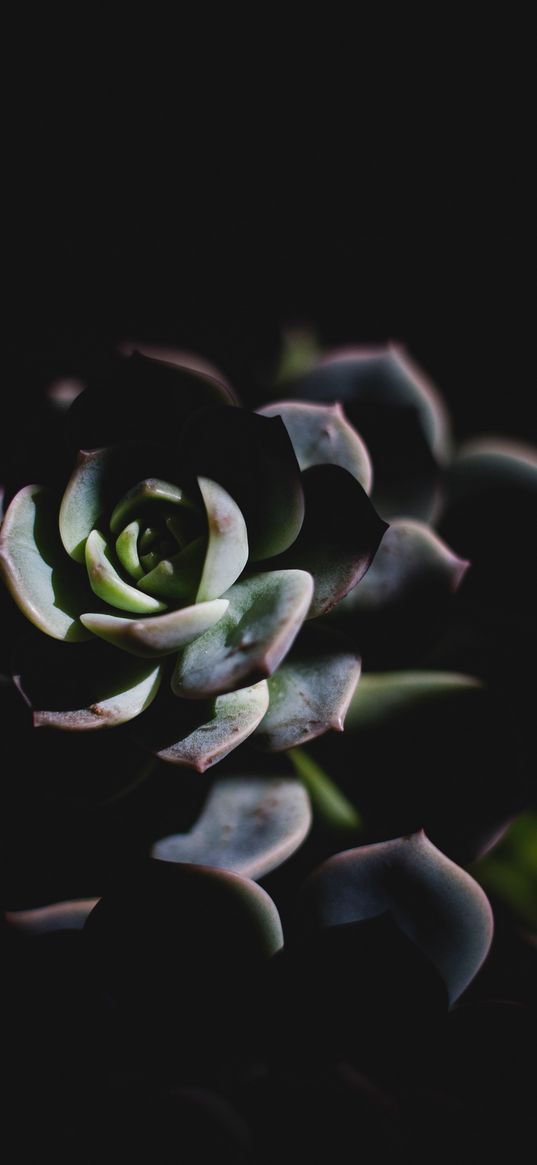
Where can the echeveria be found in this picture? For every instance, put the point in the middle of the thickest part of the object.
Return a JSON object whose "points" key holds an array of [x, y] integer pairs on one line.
{"points": [[192, 541]]}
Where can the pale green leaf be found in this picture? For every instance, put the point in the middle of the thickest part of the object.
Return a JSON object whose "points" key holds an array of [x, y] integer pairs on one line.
{"points": [[84, 499], [119, 698], [108, 585], [200, 743], [176, 579], [309, 693], [264, 615], [227, 549], [157, 635], [144, 492], [380, 695], [127, 550], [249, 825], [321, 434], [43, 581]]}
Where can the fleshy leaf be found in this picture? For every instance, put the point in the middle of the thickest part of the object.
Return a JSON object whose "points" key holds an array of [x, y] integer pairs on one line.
{"points": [[321, 434], [412, 563], [249, 825], [52, 919], [339, 538], [237, 448], [144, 493], [46, 586], [176, 578], [84, 499], [198, 734], [127, 550], [86, 686], [227, 550], [433, 901], [399, 415], [132, 396], [108, 585], [160, 635], [264, 615], [329, 804], [310, 692]]}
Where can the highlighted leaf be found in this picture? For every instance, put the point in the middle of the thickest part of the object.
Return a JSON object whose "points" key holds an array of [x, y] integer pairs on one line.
{"points": [[310, 692], [200, 734], [321, 434], [253, 459], [249, 825], [433, 901], [227, 550], [160, 635], [176, 579], [46, 586], [108, 585], [86, 686], [127, 550], [264, 615], [146, 493]]}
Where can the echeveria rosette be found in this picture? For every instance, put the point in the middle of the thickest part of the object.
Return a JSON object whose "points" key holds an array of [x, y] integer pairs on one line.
{"points": [[187, 566]]}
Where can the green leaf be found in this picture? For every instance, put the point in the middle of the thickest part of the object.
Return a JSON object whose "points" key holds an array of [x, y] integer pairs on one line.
{"points": [[146, 493], [412, 562], [433, 901], [158, 635], [321, 434], [339, 537], [44, 583], [108, 585], [177, 578], [198, 734], [85, 499], [227, 550], [381, 695], [249, 825], [310, 692], [253, 459], [329, 803], [127, 550], [264, 615], [98, 688]]}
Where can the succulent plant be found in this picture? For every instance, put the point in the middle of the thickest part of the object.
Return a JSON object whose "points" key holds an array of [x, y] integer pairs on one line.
{"points": [[190, 564]]}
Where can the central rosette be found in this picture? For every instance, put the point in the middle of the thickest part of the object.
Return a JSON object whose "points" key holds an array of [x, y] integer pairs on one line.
{"points": [[162, 547]]}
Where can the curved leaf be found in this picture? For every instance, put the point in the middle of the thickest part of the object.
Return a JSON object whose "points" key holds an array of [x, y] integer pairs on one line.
{"points": [[160, 635], [108, 585], [176, 578], [84, 499], [200, 734], [227, 550], [309, 693], [133, 394], [46, 586], [412, 563], [433, 901], [264, 615], [145, 493], [127, 550], [249, 825], [253, 459], [400, 416], [321, 434], [52, 919], [339, 538], [85, 686]]}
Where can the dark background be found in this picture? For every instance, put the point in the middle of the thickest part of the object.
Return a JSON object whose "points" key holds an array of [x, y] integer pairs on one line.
{"points": [[459, 297]]}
